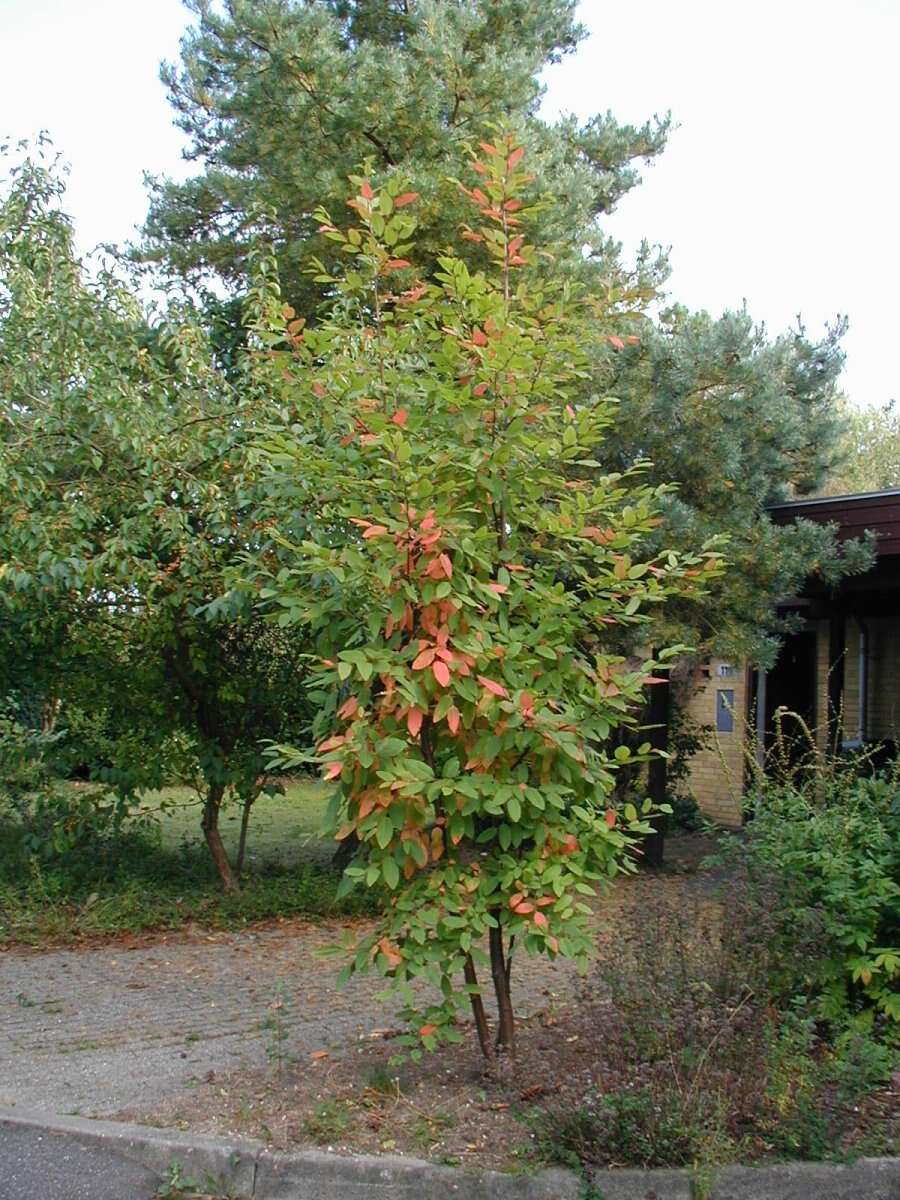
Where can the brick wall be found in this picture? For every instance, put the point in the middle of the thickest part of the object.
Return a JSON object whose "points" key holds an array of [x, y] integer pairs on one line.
{"points": [[716, 778], [883, 690], [884, 678]]}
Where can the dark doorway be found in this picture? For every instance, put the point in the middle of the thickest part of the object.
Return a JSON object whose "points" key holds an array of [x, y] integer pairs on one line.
{"points": [[791, 685]]}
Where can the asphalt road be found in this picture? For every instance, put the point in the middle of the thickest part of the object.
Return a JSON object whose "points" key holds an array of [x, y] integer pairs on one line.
{"points": [[41, 1166]]}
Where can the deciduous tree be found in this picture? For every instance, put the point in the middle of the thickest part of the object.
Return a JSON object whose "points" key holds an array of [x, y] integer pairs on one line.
{"points": [[467, 569]]}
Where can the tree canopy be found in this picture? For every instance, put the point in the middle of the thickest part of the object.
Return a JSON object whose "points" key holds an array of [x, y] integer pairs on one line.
{"points": [[129, 492], [282, 101]]}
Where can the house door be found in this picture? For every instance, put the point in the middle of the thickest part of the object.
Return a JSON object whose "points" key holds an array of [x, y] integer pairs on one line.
{"points": [[791, 685]]}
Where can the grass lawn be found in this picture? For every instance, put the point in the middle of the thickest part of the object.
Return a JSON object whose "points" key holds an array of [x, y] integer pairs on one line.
{"points": [[158, 875], [283, 829]]}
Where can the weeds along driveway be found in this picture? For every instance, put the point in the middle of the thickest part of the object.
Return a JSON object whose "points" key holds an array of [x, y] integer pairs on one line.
{"points": [[93, 1030]]}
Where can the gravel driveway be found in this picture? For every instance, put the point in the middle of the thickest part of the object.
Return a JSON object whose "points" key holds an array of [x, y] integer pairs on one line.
{"points": [[94, 1030]]}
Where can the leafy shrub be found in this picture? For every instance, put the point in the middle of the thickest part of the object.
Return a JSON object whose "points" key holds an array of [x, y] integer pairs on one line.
{"points": [[699, 1063], [827, 857]]}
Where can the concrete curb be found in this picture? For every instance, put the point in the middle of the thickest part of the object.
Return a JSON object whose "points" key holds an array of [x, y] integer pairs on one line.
{"points": [[140, 1156]]}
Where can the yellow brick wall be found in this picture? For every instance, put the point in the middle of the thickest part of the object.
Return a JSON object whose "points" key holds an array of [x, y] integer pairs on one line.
{"points": [[883, 691], [716, 778], [884, 678]]}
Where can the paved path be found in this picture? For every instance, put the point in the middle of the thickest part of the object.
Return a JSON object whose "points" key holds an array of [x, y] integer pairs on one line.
{"points": [[95, 1030], [41, 1166]]}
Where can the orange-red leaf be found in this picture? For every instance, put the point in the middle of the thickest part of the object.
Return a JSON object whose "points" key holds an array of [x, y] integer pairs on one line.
{"points": [[397, 264], [515, 158], [453, 718], [425, 659], [540, 919], [491, 685], [428, 1030], [437, 844], [441, 672], [479, 337], [333, 770], [349, 707], [405, 198], [400, 417], [374, 531], [616, 342], [515, 900], [499, 588], [414, 721], [610, 817], [488, 148], [366, 190], [444, 560]]}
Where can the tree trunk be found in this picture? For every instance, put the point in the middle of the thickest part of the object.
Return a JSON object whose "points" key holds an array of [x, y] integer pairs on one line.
{"points": [[245, 821], [343, 856], [506, 1028], [481, 1022], [210, 824], [658, 718]]}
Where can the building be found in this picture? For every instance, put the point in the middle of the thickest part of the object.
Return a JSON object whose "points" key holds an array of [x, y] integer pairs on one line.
{"points": [[838, 677]]}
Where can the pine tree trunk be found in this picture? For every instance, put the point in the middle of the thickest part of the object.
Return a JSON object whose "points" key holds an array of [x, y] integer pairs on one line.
{"points": [[506, 1030], [210, 824], [481, 1021]]}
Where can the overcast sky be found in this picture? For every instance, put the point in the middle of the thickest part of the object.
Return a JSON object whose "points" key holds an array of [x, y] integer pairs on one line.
{"points": [[779, 186]]}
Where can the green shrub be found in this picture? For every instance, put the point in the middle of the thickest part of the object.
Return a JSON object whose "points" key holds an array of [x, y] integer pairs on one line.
{"points": [[827, 857]]}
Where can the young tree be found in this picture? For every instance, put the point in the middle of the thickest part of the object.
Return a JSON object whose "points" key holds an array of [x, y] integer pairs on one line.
{"points": [[128, 493], [465, 568]]}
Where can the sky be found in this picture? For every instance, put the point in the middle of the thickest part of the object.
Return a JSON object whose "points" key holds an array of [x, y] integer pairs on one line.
{"points": [[779, 187]]}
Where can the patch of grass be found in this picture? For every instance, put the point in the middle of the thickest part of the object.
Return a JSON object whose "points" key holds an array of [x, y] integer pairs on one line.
{"points": [[328, 1122], [160, 876], [282, 828]]}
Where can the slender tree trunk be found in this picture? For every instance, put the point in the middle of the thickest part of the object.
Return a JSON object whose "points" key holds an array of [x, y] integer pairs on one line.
{"points": [[210, 824], [506, 1029], [342, 857], [481, 1021], [245, 821]]}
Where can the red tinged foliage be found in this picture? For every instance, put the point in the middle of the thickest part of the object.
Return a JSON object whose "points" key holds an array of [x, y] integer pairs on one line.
{"points": [[491, 685], [473, 755]]}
